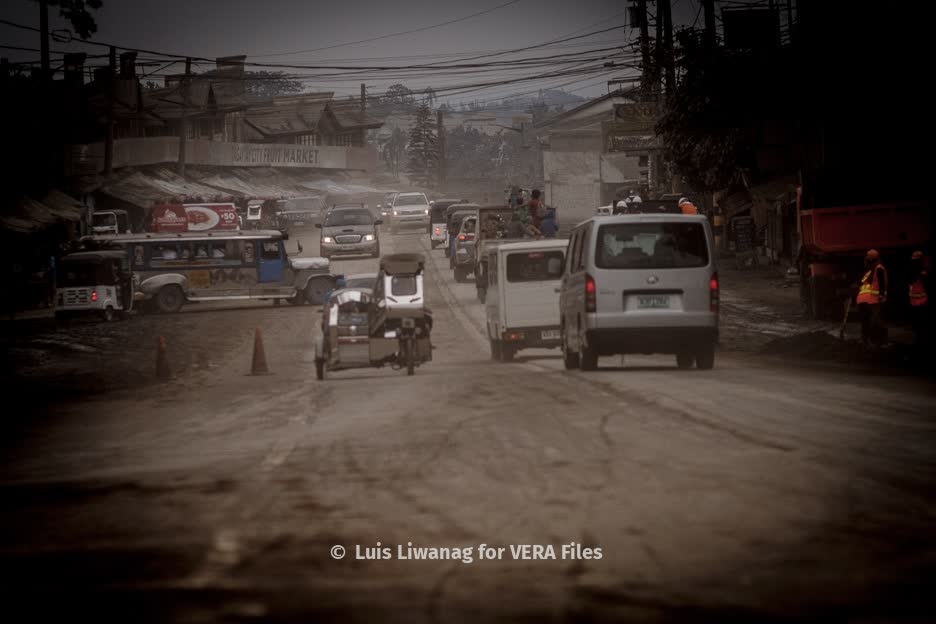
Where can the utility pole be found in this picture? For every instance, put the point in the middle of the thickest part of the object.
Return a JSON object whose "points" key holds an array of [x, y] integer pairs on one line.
{"points": [[789, 18], [644, 42], [709, 23], [665, 9], [111, 88], [44, 44], [638, 20], [363, 111], [440, 134], [659, 51], [183, 125]]}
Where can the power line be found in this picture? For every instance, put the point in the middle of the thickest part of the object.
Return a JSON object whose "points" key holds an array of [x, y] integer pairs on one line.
{"points": [[439, 65], [397, 34], [459, 54], [540, 45]]}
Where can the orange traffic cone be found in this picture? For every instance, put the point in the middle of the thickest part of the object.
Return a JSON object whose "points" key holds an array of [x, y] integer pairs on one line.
{"points": [[259, 365], [162, 362]]}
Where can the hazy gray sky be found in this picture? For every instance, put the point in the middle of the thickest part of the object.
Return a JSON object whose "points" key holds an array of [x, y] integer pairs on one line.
{"points": [[210, 28]]}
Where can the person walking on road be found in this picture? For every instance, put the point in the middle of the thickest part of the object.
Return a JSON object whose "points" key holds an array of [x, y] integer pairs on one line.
{"points": [[920, 306], [872, 294]]}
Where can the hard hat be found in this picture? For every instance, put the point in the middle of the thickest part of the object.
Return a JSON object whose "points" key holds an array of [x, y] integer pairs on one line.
{"points": [[873, 254], [621, 204], [917, 255], [683, 200]]}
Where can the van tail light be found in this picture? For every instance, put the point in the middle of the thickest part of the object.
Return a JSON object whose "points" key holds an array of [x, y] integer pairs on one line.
{"points": [[461, 237], [591, 304], [713, 292], [93, 295]]}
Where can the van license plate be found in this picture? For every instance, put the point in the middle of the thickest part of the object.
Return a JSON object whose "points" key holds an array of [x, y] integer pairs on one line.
{"points": [[550, 334], [653, 301]]}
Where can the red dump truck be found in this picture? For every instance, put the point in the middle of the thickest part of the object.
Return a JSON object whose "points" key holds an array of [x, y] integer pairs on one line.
{"points": [[834, 242]]}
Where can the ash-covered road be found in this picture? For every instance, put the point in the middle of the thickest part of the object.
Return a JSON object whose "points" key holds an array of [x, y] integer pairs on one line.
{"points": [[750, 492]]}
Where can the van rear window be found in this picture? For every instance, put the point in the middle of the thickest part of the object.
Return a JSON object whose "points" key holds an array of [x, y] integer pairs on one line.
{"points": [[535, 266], [660, 245]]}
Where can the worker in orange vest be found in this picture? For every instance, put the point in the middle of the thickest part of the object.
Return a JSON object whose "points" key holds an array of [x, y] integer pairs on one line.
{"points": [[919, 299], [872, 293], [687, 207]]}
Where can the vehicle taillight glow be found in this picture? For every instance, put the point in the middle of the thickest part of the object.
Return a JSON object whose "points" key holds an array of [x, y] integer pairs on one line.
{"points": [[590, 290], [509, 336], [93, 295], [713, 293], [461, 237]]}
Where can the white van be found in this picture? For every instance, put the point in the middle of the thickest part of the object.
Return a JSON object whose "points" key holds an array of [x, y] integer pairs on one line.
{"points": [[522, 303], [642, 283]]}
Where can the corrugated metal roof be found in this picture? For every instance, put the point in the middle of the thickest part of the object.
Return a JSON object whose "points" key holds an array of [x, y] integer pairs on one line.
{"points": [[154, 185], [254, 185], [349, 115], [32, 215], [283, 120]]}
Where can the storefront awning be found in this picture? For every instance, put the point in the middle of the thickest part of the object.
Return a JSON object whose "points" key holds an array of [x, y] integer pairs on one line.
{"points": [[32, 215], [259, 183], [145, 188]]}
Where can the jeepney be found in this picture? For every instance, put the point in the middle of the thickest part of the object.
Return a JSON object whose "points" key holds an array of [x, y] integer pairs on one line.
{"points": [[220, 265]]}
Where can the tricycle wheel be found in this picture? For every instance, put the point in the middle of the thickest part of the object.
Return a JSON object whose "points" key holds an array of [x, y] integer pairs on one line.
{"points": [[320, 369]]}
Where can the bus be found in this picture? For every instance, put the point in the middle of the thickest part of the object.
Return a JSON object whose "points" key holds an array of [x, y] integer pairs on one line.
{"points": [[233, 265]]}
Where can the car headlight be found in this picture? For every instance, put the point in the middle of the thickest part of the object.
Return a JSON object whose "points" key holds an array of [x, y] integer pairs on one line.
{"points": [[426, 211], [368, 237], [396, 213], [328, 239]]}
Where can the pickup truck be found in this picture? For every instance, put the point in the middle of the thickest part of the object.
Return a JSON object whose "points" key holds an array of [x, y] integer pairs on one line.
{"points": [[492, 230]]}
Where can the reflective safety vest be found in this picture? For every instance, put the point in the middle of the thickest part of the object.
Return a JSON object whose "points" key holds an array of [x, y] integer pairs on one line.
{"points": [[870, 290], [918, 292]]}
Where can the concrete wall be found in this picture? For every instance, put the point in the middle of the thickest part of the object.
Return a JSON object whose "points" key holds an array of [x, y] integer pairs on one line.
{"points": [[162, 150], [575, 142], [480, 190], [573, 183]]}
